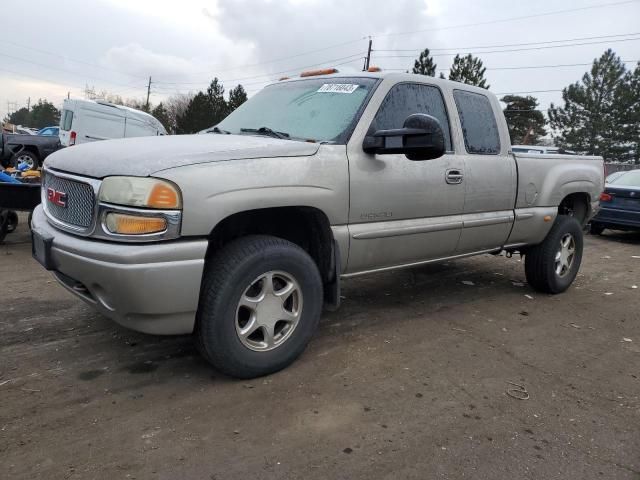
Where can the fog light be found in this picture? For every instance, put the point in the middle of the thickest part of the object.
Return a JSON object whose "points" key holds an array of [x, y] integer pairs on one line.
{"points": [[133, 224]]}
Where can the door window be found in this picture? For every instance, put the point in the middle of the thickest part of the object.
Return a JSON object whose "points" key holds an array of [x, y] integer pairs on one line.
{"points": [[479, 125], [406, 99]]}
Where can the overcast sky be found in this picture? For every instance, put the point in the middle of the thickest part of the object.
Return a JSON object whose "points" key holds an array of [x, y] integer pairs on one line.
{"points": [[52, 48]]}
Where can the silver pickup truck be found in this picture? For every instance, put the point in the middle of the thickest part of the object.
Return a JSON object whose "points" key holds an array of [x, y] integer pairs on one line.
{"points": [[242, 234]]}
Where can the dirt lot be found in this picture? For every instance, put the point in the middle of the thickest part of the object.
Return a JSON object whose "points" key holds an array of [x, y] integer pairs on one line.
{"points": [[407, 380]]}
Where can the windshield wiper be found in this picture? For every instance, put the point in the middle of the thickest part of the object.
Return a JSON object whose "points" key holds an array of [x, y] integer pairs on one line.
{"points": [[218, 130], [267, 131]]}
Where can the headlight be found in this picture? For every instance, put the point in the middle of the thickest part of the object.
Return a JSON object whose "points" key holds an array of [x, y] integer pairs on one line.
{"points": [[140, 192]]}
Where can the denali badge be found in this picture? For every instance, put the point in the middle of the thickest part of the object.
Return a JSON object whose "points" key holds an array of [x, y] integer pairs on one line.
{"points": [[56, 197]]}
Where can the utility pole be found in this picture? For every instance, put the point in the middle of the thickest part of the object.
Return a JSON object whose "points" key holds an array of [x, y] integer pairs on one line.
{"points": [[367, 62], [148, 92]]}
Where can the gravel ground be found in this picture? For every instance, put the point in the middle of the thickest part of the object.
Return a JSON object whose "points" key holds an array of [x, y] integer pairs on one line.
{"points": [[408, 379]]}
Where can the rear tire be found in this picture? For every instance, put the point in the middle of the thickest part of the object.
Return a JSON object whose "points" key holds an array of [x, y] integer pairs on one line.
{"points": [[596, 229], [552, 266], [245, 285], [27, 157]]}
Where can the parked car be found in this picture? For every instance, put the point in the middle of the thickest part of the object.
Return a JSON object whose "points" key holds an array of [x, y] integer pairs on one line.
{"points": [[84, 121], [29, 149], [241, 235], [49, 131], [612, 176], [620, 204]]}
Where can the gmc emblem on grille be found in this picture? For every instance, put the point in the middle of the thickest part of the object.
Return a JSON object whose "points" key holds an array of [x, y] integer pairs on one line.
{"points": [[56, 197]]}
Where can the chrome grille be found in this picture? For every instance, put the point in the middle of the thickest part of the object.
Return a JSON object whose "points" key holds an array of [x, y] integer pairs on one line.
{"points": [[80, 201]]}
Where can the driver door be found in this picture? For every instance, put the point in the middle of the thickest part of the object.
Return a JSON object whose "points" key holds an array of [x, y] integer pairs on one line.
{"points": [[402, 211]]}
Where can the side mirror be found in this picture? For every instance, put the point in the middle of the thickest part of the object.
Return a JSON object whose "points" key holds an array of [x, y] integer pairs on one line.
{"points": [[420, 138]]}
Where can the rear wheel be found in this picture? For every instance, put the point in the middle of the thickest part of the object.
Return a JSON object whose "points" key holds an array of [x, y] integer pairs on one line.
{"points": [[552, 266], [25, 156], [260, 305]]}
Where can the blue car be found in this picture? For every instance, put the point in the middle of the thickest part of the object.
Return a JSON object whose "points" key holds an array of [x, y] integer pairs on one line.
{"points": [[49, 131], [619, 204]]}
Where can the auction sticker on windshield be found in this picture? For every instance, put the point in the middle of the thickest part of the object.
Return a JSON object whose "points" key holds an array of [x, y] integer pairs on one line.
{"points": [[338, 88]]}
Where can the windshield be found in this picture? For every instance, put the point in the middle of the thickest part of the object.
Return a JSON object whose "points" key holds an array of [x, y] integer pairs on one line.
{"points": [[319, 109], [628, 179]]}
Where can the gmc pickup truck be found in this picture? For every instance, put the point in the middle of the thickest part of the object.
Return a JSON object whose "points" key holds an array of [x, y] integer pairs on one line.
{"points": [[242, 234]]}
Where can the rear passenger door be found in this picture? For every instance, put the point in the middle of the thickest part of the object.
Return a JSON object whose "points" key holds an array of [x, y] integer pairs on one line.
{"points": [[489, 174]]}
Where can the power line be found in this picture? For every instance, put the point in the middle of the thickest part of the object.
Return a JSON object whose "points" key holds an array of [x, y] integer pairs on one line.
{"points": [[281, 59], [25, 75], [511, 44], [526, 67], [42, 65], [353, 57], [511, 19], [514, 49], [46, 52]]}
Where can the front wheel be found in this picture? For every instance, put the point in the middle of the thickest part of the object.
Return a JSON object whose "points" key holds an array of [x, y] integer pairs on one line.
{"points": [[552, 266], [259, 306]]}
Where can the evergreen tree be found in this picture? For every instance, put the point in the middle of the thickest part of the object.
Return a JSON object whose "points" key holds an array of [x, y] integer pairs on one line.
{"points": [[469, 70], [590, 120], [161, 114], [19, 117], [237, 96], [218, 105], [629, 114], [43, 114], [424, 64], [525, 122], [197, 115]]}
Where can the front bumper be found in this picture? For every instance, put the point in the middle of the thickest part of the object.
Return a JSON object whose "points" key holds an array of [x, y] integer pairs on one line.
{"points": [[152, 288]]}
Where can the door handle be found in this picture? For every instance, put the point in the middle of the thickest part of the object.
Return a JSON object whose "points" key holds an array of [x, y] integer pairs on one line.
{"points": [[453, 176]]}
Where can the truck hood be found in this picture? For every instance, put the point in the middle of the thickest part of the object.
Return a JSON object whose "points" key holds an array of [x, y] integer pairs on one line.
{"points": [[144, 156]]}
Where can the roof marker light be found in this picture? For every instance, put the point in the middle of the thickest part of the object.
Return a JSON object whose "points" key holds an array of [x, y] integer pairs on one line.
{"points": [[313, 73]]}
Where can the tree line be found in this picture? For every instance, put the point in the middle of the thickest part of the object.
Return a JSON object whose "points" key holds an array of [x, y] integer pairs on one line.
{"points": [[179, 114], [599, 114]]}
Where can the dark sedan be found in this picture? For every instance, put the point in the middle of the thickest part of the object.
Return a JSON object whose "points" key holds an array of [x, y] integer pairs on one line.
{"points": [[619, 204]]}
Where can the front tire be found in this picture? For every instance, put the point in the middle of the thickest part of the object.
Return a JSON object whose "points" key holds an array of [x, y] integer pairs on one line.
{"points": [[260, 305], [552, 266]]}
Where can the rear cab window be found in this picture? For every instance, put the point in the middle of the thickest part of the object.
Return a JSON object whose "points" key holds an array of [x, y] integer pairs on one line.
{"points": [[405, 99], [66, 120], [479, 127]]}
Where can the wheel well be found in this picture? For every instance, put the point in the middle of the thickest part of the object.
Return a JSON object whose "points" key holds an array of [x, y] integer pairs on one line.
{"points": [[307, 227], [29, 148], [577, 205]]}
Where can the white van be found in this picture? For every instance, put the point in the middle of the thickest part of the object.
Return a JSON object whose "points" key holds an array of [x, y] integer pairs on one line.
{"points": [[85, 121]]}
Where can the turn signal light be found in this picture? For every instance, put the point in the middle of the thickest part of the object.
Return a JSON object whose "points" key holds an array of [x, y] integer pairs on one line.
{"points": [[313, 73], [133, 224], [605, 197]]}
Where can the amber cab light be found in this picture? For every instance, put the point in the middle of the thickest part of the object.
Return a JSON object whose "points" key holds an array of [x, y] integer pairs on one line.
{"points": [[605, 197], [374, 69], [313, 73]]}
